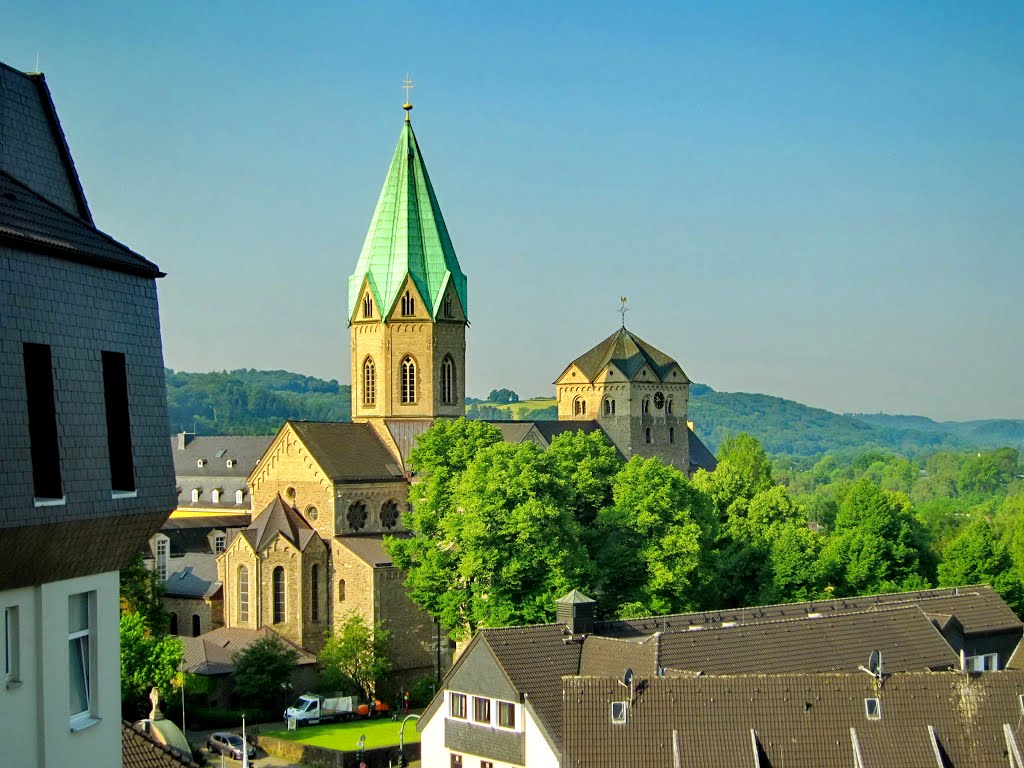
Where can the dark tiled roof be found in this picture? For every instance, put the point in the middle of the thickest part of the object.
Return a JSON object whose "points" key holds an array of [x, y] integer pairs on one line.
{"points": [[31, 222], [348, 452], [405, 431], [552, 429], [192, 575], [627, 352], [838, 643], [611, 657], [369, 547], [535, 659], [140, 751], [977, 607], [192, 534], [700, 456], [211, 654], [799, 721], [279, 518]]}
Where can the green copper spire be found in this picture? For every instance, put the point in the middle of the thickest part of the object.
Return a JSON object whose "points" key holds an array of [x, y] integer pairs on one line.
{"points": [[407, 236]]}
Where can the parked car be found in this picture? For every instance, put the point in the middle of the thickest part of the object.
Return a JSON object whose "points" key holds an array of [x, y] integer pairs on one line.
{"points": [[229, 744]]}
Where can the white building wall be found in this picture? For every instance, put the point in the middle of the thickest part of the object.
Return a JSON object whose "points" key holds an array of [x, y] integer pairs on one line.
{"points": [[20, 698], [539, 753], [432, 751], [98, 743]]}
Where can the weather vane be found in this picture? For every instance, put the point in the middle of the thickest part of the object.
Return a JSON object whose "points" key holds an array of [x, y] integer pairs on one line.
{"points": [[408, 85], [623, 309]]}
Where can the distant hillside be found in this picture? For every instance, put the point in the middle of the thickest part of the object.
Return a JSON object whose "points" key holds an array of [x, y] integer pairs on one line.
{"points": [[251, 402]]}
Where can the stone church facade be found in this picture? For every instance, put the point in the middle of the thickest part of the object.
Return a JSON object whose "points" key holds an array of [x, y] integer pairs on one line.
{"points": [[325, 495]]}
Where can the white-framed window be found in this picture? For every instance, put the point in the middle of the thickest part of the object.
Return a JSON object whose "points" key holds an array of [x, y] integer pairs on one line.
{"points": [[215, 493], [873, 709], [81, 654], [200, 462], [984, 662], [163, 547], [195, 495], [481, 710], [506, 714], [229, 463], [239, 497], [618, 712], [408, 380], [457, 705], [12, 645], [243, 594], [369, 382], [220, 541]]}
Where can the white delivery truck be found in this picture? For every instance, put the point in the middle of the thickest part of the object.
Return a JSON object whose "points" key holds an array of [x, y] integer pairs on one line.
{"points": [[312, 708]]}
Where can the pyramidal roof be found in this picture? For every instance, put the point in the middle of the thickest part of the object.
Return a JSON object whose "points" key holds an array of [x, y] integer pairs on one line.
{"points": [[627, 352], [407, 236], [277, 518]]}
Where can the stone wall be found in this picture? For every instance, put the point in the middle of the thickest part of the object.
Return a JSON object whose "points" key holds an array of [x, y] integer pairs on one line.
{"points": [[187, 607]]}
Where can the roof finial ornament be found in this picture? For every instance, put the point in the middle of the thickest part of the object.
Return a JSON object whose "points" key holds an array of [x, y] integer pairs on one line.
{"points": [[408, 85], [623, 309]]}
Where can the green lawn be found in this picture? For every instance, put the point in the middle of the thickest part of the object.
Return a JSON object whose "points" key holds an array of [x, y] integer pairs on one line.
{"points": [[524, 406], [344, 736]]}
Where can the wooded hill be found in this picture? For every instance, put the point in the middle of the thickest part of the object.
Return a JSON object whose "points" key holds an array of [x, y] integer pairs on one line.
{"points": [[251, 402]]}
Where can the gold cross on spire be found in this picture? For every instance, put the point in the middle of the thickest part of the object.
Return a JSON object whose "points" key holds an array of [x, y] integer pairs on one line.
{"points": [[407, 84], [623, 309]]}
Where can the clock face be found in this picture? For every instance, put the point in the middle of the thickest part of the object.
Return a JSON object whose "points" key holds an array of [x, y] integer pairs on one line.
{"points": [[659, 400]]}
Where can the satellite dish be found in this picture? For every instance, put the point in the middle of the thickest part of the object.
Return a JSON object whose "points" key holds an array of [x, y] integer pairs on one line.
{"points": [[875, 663], [627, 679]]}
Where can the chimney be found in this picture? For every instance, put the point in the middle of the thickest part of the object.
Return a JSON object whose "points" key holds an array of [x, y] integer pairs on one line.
{"points": [[576, 611], [184, 438]]}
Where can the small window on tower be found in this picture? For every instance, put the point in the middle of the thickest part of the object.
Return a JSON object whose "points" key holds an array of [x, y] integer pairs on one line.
{"points": [[645, 406], [367, 306], [668, 406], [448, 307], [408, 304], [579, 407], [647, 435]]}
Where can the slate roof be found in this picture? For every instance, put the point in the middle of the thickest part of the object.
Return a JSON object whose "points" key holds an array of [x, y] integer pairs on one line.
{"points": [[553, 428], [210, 654], [535, 659], [977, 607], [278, 518], [627, 352], [31, 222], [244, 452], [407, 236], [192, 534], [799, 721], [192, 575], [140, 751], [370, 547], [348, 452], [700, 456], [838, 643]]}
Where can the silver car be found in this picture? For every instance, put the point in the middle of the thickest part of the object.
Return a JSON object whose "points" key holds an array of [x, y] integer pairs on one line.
{"points": [[229, 744]]}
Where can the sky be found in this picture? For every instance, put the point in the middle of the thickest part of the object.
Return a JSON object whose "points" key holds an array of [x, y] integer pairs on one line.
{"points": [[819, 201]]}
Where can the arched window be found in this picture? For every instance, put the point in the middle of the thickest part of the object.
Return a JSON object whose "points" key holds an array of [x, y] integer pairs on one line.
{"points": [[448, 380], [216, 495], [668, 406], [408, 380], [448, 306], [389, 514], [647, 435], [609, 407], [239, 496], [369, 382], [195, 495], [408, 304], [279, 595], [367, 306], [341, 591], [314, 592], [174, 624], [196, 625], [357, 515], [243, 595], [579, 407], [645, 407], [671, 434]]}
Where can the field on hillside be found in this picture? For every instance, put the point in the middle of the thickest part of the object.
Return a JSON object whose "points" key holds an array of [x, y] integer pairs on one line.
{"points": [[520, 409]]}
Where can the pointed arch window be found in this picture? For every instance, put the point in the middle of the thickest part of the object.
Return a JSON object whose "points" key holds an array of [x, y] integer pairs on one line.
{"points": [[279, 593], [367, 306], [448, 307], [579, 407], [408, 380], [448, 380], [243, 595], [369, 382], [314, 593], [408, 304], [609, 407], [645, 407]]}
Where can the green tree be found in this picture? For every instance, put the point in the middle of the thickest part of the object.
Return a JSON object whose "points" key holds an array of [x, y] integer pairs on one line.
{"points": [[976, 556], [142, 593], [147, 660], [356, 658], [792, 567], [653, 539], [262, 670], [502, 396]]}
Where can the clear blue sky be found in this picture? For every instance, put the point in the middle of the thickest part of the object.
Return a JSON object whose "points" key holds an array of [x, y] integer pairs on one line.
{"points": [[822, 201]]}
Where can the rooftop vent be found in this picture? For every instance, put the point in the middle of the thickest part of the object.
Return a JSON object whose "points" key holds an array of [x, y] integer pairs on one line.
{"points": [[201, 463], [221, 452], [576, 611]]}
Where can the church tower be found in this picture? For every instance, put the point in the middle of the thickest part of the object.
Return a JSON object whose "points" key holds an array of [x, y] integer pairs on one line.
{"points": [[407, 302]]}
